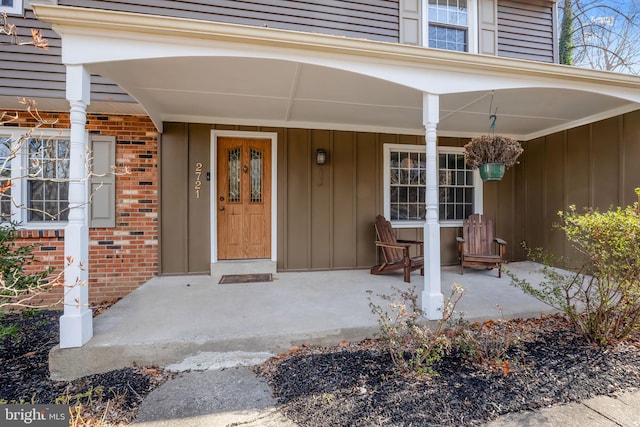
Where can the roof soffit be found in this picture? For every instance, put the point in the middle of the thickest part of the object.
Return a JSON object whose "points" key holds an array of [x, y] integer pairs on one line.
{"points": [[452, 75]]}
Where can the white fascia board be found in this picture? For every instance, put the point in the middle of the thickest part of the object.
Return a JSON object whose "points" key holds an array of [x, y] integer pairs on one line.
{"points": [[93, 36], [584, 121], [239, 121]]}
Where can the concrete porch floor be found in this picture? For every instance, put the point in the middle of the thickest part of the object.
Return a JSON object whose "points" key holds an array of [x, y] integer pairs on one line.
{"points": [[170, 319]]}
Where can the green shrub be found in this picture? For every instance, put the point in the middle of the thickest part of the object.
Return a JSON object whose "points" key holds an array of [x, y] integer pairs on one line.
{"points": [[602, 298], [16, 284]]}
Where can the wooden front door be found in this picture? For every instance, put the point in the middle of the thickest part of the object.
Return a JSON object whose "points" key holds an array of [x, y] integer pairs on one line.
{"points": [[244, 198]]}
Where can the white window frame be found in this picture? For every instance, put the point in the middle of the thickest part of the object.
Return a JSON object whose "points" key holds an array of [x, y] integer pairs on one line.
{"points": [[16, 9], [477, 188], [413, 148], [19, 182], [472, 25]]}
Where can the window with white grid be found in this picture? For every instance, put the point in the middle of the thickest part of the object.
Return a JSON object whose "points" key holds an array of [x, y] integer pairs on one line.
{"points": [[34, 177], [456, 184], [451, 24], [405, 179], [11, 7], [48, 179]]}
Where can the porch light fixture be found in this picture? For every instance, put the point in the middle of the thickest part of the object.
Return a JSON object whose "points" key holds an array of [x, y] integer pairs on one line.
{"points": [[321, 156]]}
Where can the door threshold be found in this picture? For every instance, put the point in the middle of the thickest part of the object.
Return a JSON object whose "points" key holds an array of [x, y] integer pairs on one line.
{"points": [[243, 266]]}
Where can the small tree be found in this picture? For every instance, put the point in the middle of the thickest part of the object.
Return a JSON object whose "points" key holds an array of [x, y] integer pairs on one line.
{"points": [[603, 35], [20, 285], [566, 45], [602, 298]]}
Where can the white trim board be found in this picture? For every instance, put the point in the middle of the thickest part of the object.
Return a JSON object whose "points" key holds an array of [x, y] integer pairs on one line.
{"points": [[215, 134]]}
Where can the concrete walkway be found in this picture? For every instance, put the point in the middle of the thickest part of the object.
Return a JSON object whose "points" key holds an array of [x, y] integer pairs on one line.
{"points": [[209, 331], [170, 319], [237, 397]]}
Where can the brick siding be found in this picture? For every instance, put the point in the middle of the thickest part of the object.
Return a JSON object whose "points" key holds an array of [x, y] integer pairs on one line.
{"points": [[124, 257]]}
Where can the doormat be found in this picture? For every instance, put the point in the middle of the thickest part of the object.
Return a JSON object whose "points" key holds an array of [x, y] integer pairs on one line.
{"points": [[245, 278]]}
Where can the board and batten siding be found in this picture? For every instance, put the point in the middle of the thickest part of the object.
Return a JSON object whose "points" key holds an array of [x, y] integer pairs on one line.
{"points": [[527, 30], [30, 72], [325, 213], [591, 166], [371, 19]]}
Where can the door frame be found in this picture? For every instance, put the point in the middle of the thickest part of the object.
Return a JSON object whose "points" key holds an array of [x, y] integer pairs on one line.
{"points": [[273, 136]]}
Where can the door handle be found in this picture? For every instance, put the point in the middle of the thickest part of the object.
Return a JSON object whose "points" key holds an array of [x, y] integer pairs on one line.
{"points": [[221, 208]]}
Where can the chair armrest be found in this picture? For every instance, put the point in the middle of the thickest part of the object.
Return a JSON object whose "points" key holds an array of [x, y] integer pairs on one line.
{"points": [[393, 245], [460, 241], [500, 241], [412, 242]]}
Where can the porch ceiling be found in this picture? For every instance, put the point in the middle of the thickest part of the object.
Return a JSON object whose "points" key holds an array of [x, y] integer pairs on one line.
{"points": [[196, 71], [253, 91], [278, 93]]}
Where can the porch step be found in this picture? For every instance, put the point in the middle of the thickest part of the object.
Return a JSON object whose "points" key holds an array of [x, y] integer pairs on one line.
{"points": [[210, 360], [253, 266]]}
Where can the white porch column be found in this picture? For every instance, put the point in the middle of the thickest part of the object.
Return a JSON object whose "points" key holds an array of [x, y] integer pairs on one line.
{"points": [[432, 299], [76, 324]]}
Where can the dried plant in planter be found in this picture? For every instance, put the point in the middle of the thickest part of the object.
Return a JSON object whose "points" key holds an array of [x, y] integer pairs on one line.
{"points": [[492, 149]]}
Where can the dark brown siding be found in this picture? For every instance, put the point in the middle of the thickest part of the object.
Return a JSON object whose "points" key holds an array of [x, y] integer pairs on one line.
{"points": [[325, 213], [185, 224], [26, 71], [174, 256], [374, 19], [329, 209], [589, 166], [526, 30]]}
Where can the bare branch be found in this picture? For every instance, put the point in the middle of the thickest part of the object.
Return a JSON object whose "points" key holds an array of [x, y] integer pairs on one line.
{"points": [[10, 30], [605, 34]]}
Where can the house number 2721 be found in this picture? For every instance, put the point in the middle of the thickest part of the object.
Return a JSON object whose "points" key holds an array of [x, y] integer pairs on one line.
{"points": [[197, 185]]}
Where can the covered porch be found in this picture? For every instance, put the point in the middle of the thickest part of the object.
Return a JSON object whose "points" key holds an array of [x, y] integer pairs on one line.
{"points": [[261, 78], [176, 318]]}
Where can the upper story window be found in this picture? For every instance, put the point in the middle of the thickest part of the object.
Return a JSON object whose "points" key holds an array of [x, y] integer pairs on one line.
{"points": [[405, 179], [11, 7], [448, 24], [34, 179]]}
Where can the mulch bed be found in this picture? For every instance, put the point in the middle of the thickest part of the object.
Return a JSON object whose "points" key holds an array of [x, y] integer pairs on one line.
{"points": [[356, 384], [24, 374]]}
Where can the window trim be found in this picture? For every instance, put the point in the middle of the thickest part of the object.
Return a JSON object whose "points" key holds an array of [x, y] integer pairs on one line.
{"points": [[415, 148], [16, 9], [20, 183], [477, 189], [472, 25]]}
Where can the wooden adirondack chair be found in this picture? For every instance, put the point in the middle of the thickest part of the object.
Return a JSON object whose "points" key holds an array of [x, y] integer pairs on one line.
{"points": [[476, 246], [396, 252]]}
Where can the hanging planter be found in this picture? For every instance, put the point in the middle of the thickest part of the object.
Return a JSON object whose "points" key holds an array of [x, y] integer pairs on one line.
{"points": [[491, 171], [492, 155]]}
